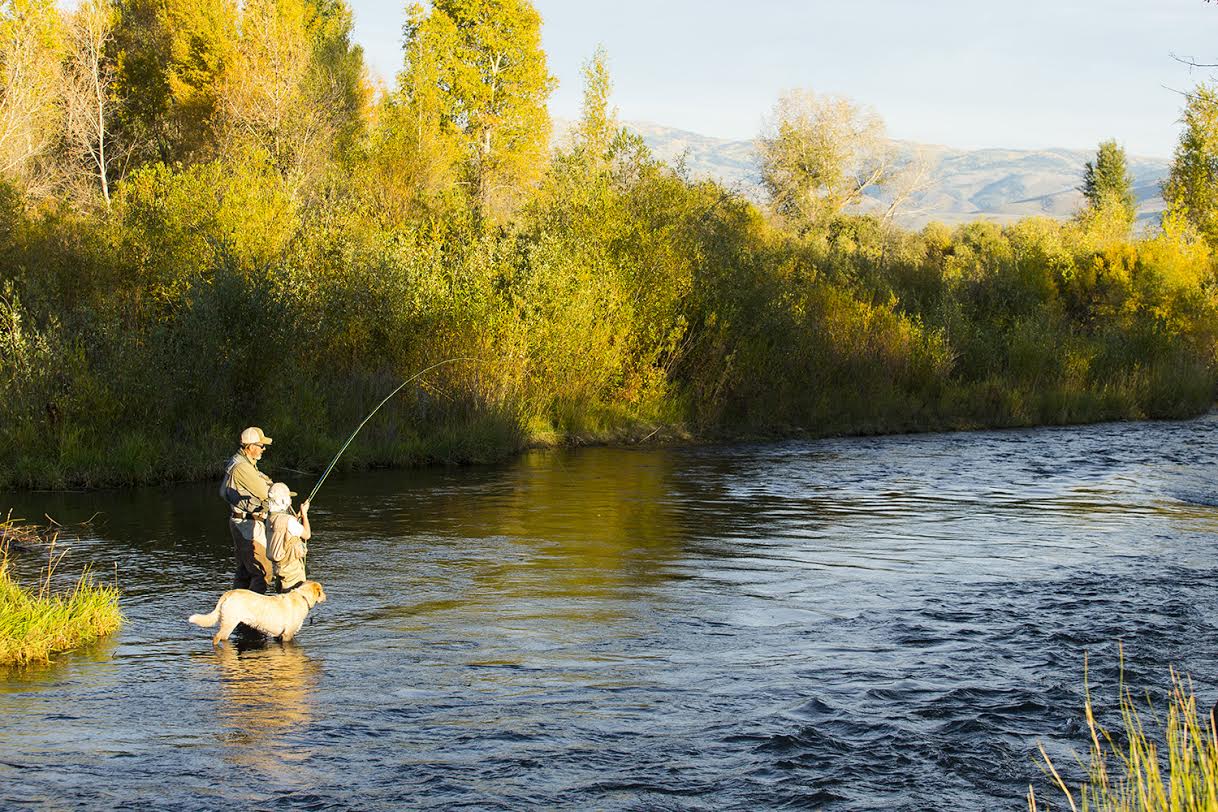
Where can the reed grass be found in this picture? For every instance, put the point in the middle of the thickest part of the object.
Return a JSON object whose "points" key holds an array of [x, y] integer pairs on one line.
{"points": [[1151, 764], [38, 621]]}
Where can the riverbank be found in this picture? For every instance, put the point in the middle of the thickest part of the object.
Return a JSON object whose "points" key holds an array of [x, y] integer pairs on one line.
{"points": [[38, 621], [135, 460]]}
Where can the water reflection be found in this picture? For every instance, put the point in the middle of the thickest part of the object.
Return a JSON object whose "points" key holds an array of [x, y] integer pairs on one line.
{"points": [[266, 689], [585, 526], [88, 662], [549, 526]]}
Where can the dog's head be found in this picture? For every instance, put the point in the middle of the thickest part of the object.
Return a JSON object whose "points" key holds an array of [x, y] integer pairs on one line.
{"points": [[313, 593]]}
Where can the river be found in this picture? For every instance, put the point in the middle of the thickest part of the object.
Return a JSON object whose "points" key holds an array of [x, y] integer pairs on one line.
{"points": [[854, 623]]}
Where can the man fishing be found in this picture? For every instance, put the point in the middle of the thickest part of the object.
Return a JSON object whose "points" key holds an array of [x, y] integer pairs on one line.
{"points": [[259, 507], [247, 492]]}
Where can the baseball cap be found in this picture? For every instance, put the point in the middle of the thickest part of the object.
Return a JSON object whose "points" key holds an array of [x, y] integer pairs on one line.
{"points": [[254, 435], [280, 491]]}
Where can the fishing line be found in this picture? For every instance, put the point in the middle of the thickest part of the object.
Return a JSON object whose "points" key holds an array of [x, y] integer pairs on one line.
{"points": [[400, 387]]}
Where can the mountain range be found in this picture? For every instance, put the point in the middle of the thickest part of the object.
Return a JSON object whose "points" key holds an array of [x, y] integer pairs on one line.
{"points": [[1002, 185]]}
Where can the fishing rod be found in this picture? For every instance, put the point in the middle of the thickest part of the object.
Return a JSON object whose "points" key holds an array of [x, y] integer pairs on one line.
{"points": [[400, 387]]}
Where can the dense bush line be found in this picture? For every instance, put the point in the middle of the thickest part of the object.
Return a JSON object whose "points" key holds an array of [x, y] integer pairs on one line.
{"points": [[619, 300], [265, 241]]}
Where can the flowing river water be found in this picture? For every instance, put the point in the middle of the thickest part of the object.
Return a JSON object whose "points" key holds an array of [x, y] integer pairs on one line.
{"points": [[856, 623]]}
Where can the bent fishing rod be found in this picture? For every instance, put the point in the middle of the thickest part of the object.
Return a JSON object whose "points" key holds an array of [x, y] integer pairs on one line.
{"points": [[400, 387]]}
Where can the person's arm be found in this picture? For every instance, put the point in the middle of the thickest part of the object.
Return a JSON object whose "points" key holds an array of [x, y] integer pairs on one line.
{"points": [[307, 533]]}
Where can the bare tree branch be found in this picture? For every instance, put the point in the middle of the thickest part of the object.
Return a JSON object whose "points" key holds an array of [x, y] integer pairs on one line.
{"points": [[1192, 62], [89, 91]]}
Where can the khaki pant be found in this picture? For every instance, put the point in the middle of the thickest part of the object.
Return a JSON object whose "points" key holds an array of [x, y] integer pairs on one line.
{"points": [[253, 567]]}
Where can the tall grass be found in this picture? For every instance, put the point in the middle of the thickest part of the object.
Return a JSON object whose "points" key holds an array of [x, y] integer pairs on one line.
{"points": [[37, 621], [1148, 765]]}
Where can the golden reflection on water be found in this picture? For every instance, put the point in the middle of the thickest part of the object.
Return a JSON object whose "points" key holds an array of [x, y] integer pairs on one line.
{"points": [[555, 524], [583, 526], [265, 690], [546, 550]]}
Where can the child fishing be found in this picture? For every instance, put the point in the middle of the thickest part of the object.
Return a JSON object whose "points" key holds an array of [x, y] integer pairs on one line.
{"points": [[287, 538]]}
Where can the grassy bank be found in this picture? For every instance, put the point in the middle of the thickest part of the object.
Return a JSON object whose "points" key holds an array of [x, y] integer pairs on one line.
{"points": [[1152, 764], [144, 459], [36, 622]]}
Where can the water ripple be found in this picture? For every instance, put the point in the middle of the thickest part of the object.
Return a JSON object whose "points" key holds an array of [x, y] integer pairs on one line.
{"points": [[856, 623]]}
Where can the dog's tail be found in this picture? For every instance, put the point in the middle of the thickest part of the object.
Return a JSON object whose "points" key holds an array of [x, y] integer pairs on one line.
{"points": [[210, 619]]}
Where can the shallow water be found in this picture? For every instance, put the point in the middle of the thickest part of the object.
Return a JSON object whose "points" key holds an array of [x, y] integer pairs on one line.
{"points": [[858, 623]]}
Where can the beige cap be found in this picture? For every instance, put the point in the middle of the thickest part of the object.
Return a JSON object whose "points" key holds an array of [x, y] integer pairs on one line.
{"points": [[280, 491], [254, 436]]}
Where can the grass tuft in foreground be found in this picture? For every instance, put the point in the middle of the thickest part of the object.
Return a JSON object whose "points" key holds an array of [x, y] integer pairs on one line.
{"points": [[36, 622], [1172, 766]]}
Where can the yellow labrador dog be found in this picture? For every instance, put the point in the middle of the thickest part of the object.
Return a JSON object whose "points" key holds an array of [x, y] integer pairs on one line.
{"points": [[277, 615]]}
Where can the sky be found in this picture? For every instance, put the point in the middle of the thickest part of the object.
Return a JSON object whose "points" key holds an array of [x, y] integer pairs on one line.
{"points": [[1028, 74]]}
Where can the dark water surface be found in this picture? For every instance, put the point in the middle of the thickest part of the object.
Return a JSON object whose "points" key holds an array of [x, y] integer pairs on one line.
{"points": [[887, 623]]}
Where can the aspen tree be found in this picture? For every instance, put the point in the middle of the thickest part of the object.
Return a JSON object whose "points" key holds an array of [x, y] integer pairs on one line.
{"points": [[294, 90], [89, 96], [820, 154], [1191, 188], [415, 151], [170, 57], [492, 72], [31, 41], [598, 122]]}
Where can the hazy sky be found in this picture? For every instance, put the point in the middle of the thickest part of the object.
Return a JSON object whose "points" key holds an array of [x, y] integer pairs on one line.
{"points": [[966, 73]]}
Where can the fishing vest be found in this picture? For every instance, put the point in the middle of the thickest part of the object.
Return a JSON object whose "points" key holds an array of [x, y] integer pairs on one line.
{"points": [[239, 499]]}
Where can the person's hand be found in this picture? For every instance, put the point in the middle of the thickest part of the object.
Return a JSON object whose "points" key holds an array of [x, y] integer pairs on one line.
{"points": [[304, 508]]}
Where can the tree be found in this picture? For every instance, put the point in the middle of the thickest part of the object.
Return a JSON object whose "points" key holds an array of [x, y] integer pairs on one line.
{"points": [[263, 103], [90, 98], [31, 41], [1191, 189], [820, 154], [907, 180], [338, 75], [170, 56], [1107, 185], [491, 72], [598, 122], [294, 88], [414, 146]]}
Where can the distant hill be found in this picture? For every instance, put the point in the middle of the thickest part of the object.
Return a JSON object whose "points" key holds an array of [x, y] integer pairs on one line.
{"points": [[991, 184]]}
